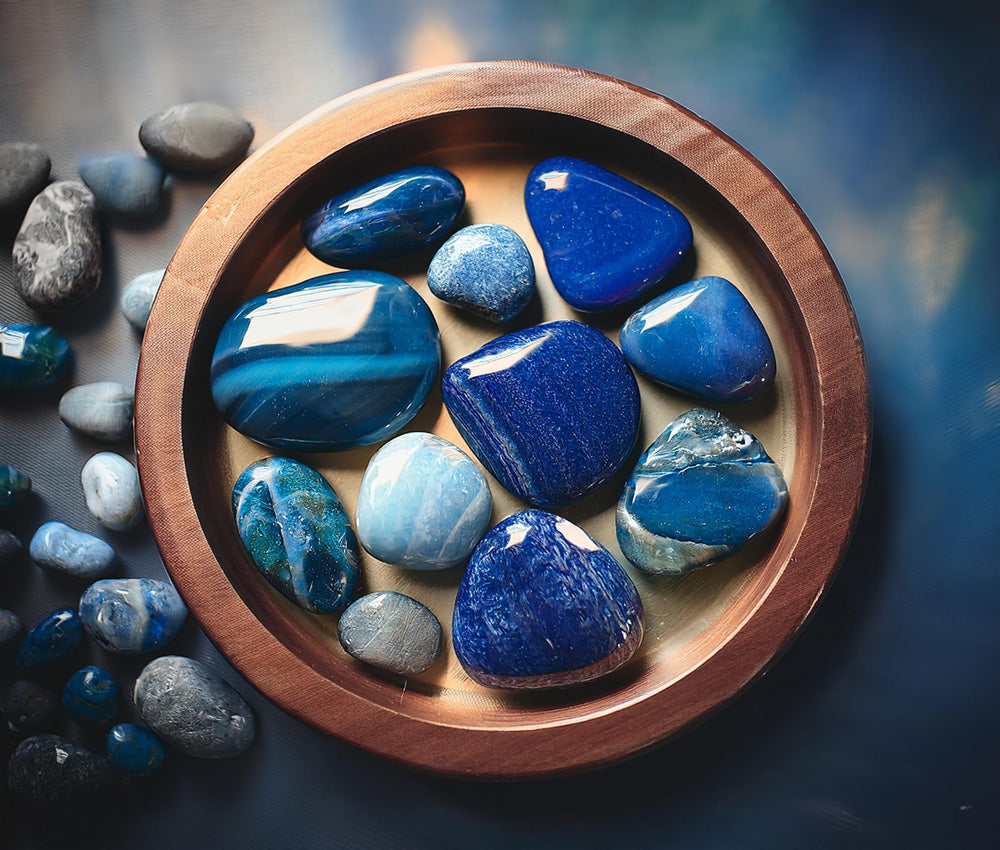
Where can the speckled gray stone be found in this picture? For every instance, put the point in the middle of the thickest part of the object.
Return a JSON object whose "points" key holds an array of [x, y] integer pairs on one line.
{"points": [[11, 632], [391, 631], [125, 184], [137, 299], [200, 137], [57, 547], [111, 489], [24, 171], [9, 547], [190, 707], [53, 774], [102, 410]]}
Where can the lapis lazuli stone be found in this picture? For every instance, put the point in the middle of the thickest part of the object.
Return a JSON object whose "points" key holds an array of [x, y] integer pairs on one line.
{"points": [[542, 603], [552, 411], [52, 640], [385, 219], [702, 338], [31, 356], [134, 750], [605, 239], [91, 696], [14, 486], [132, 615], [339, 361], [298, 533], [702, 491], [391, 631], [56, 546]]}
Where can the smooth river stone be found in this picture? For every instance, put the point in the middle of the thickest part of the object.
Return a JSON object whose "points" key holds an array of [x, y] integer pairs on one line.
{"points": [[541, 604], [91, 696], [14, 486], [702, 338], [298, 533], [701, 492], [57, 547], [102, 410], [605, 239], [57, 251], [125, 184], [30, 707], [339, 361], [423, 503], [10, 545], [134, 750], [391, 631], [190, 707], [385, 219], [552, 411], [54, 775], [24, 171], [111, 490], [137, 299], [32, 357], [197, 137], [129, 616], [52, 640]]}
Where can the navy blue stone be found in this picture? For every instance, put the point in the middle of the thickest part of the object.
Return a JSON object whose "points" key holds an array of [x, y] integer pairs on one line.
{"points": [[701, 492], [298, 533], [542, 603], [702, 338], [339, 361], [605, 239], [91, 696], [385, 219], [134, 750], [126, 184], [552, 411], [54, 639], [14, 486], [31, 356]]}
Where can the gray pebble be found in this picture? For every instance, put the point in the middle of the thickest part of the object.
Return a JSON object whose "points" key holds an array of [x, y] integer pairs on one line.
{"points": [[126, 184], [137, 299], [391, 631], [57, 252], [11, 631], [200, 136], [111, 489], [53, 774], [30, 707], [62, 549], [9, 547], [24, 171], [102, 410], [190, 707]]}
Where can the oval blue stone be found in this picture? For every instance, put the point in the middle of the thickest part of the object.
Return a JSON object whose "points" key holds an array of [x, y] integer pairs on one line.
{"points": [[14, 485], [134, 750], [91, 696], [132, 615], [31, 356], [339, 361], [52, 640], [386, 218]]}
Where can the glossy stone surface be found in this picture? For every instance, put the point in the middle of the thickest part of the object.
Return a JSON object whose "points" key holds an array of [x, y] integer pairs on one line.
{"points": [[53, 774], [605, 239], [552, 411], [702, 491], [391, 631], [30, 707], [129, 616], [339, 361], [486, 269], [91, 696], [24, 171], [54, 639], [11, 632], [31, 356], [386, 218], [10, 545], [102, 410], [57, 547], [134, 750], [137, 299], [298, 533], [191, 708], [14, 486], [423, 503], [125, 184], [111, 489], [541, 604], [198, 137]]}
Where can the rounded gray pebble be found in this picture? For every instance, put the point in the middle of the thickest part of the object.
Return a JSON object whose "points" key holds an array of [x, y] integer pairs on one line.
{"points": [[11, 632], [137, 299], [111, 489], [391, 631], [9, 547], [125, 184], [102, 410], [24, 171], [199, 137], [56, 546], [53, 774]]}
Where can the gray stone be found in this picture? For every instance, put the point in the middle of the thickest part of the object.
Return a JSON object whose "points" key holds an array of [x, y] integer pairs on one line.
{"points": [[391, 631], [190, 707], [102, 410], [9, 547], [57, 252], [24, 171], [111, 489], [11, 632], [125, 184], [62, 549], [53, 774], [30, 707], [200, 137], [138, 297]]}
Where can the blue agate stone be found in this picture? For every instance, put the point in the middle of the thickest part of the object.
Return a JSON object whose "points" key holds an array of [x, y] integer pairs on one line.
{"points": [[128, 616], [605, 239], [56, 546], [339, 361], [542, 603], [552, 411], [134, 750], [386, 218], [14, 486], [702, 491], [702, 338], [31, 356], [91, 696], [54, 639], [298, 533], [391, 631]]}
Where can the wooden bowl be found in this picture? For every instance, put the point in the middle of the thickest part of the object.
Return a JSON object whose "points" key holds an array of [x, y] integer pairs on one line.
{"points": [[707, 634]]}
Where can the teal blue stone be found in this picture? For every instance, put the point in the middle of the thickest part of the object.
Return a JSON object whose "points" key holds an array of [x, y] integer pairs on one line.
{"points": [[52, 640], [31, 356], [298, 533], [701, 492], [134, 750], [91, 696], [14, 486]]}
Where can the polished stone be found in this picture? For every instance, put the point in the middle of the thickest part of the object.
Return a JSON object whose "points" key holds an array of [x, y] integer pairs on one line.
{"points": [[30, 707], [391, 631], [386, 218], [552, 411], [32, 357], [102, 410], [134, 750], [91, 696], [11, 632], [298, 533], [137, 299], [56, 776], [423, 503], [10, 545], [542, 604], [111, 490], [24, 171], [14, 486], [54, 639], [339, 361], [57, 547], [199, 137], [486, 269], [605, 239], [125, 184], [701, 492], [129, 616]]}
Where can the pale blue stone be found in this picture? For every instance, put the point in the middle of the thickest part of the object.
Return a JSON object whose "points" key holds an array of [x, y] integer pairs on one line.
{"points": [[391, 631], [111, 489], [102, 410], [137, 299], [58, 547], [132, 615]]}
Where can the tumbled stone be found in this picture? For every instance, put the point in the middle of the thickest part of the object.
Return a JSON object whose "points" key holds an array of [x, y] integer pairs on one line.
{"points": [[385, 219], [56, 546], [198, 137], [339, 361], [129, 616], [24, 171], [423, 503], [702, 491], [391, 631], [55, 775], [552, 411], [111, 489], [30, 707], [137, 299], [32, 357], [541, 604], [193, 709], [125, 184], [9, 547], [91, 696], [14, 486], [11, 632], [102, 410], [57, 252], [298, 533], [134, 750], [54, 639]]}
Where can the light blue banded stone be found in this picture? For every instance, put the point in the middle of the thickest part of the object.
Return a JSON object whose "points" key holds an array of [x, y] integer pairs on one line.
{"points": [[137, 299], [31, 357], [54, 639], [14, 486], [129, 616], [423, 503], [91, 696], [701, 492], [111, 490], [391, 631], [56, 546], [134, 750], [102, 410]]}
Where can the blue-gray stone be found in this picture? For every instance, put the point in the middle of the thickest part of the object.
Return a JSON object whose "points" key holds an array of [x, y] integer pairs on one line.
{"points": [[91, 696], [56, 546], [391, 631], [111, 490], [10, 545], [32, 357], [702, 491], [137, 299], [54, 775], [129, 616], [11, 631], [423, 503], [124, 184], [134, 750], [198, 137], [486, 269], [54, 639], [14, 486], [30, 707], [193, 709], [24, 171], [102, 410]]}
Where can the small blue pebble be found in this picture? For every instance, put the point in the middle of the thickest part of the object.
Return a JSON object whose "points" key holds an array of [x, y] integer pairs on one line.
{"points": [[127, 184], [52, 640], [134, 750], [91, 696], [58, 547], [32, 357], [14, 486], [137, 299]]}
